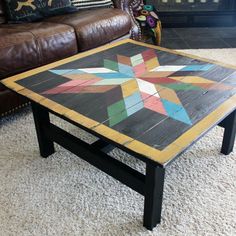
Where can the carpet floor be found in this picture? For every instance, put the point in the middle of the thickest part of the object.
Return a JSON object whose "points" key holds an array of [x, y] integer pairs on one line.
{"points": [[63, 195]]}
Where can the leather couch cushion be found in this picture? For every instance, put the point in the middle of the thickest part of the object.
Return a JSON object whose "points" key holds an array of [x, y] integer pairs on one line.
{"points": [[10, 101], [96, 27], [25, 46]]}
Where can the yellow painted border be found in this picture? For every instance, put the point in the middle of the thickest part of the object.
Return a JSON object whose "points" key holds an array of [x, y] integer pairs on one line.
{"points": [[162, 157]]}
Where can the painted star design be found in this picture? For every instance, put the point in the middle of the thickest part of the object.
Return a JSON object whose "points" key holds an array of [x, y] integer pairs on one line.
{"points": [[144, 84]]}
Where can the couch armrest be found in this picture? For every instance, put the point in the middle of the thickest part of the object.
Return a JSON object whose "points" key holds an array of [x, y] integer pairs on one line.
{"points": [[129, 6]]}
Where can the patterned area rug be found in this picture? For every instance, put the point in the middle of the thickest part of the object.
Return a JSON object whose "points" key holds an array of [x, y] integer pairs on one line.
{"points": [[63, 195]]}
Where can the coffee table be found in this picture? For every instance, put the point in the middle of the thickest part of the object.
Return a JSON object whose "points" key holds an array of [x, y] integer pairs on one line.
{"points": [[151, 102]]}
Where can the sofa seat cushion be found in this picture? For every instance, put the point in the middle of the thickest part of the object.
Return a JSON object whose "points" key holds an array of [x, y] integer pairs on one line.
{"points": [[25, 46], [96, 27]]}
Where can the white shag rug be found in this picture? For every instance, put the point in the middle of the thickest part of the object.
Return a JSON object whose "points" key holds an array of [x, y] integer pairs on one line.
{"points": [[63, 195]]}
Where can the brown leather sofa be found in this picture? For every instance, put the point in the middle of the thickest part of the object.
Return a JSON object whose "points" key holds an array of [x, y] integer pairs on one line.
{"points": [[29, 45]]}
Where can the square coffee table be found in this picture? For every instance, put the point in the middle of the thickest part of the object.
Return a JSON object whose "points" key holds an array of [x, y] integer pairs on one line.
{"points": [[151, 102]]}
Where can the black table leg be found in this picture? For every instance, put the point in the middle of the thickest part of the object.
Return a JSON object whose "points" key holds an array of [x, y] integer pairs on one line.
{"points": [[153, 195], [42, 122], [229, 134]]}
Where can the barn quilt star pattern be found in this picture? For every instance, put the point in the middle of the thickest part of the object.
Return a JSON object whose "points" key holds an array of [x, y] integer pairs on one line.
{"points": [[144, 83]]}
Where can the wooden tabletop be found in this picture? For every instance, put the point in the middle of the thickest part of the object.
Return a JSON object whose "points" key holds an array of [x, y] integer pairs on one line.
{"points": [[147, 99]]}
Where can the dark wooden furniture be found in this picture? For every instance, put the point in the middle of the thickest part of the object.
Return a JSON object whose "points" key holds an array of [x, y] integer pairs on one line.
{"points": [[149, 101], [196, 13]]}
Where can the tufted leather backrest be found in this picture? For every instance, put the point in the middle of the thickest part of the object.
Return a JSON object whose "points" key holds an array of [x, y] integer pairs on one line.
{"points": [[2, 18]]}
